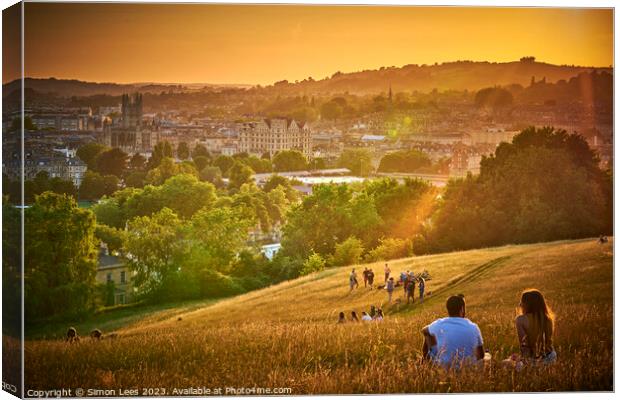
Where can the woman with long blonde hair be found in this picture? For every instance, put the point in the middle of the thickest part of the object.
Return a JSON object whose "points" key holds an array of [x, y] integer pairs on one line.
{"points": [[535, 327]]}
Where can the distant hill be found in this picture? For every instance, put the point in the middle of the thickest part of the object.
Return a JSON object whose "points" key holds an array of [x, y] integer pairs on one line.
{"points": [[459, 75], [73, 87]]}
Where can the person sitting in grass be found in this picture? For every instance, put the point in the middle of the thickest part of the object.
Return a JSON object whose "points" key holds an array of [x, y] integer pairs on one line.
{"points": [[453, 340], [341, 318], [373, 311], [366, 317], [534, 330], [379, 316], [354, 317]]}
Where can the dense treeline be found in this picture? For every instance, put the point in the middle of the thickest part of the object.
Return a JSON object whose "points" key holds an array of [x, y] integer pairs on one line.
{"points": [[545, 185]]}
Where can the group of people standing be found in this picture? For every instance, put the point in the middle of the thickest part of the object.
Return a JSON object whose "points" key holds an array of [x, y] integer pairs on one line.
{"points": [[375, 314], [408, 280]]}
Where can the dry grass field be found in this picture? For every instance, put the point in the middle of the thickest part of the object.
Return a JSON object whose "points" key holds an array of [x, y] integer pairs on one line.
{"points": [[286, 335]]}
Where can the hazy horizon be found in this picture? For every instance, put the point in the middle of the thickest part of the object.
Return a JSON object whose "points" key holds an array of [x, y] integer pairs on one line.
{"points": [[262, 44]]}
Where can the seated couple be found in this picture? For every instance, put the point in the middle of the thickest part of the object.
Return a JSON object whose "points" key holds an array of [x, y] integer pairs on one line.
{"points": [[455, 340]]}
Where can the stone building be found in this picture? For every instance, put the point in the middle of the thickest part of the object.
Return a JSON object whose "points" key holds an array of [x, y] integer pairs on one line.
{"points": [[274, 135]]}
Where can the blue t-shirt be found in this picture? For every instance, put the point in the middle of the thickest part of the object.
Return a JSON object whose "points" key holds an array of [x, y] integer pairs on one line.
{"points": [[457, 340]]}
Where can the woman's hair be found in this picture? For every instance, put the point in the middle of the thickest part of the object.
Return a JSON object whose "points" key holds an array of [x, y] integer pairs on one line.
{"points": [[540, 321], [341, 316], [380, 312], [354, 315]]}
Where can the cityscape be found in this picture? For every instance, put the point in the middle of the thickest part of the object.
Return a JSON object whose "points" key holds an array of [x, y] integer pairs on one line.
{"points": [[151, 205]]}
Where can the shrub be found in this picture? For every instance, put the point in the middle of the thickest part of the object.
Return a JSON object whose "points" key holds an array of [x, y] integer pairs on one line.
{"points": [[389, 249], [314, 263], [348, 252]]}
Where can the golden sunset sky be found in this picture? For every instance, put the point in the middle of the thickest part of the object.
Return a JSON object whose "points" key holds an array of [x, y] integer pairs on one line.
{"points": [[262, 44]]}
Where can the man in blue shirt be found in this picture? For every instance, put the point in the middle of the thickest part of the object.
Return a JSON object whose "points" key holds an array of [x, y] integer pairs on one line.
{"points": [[453, 340]]}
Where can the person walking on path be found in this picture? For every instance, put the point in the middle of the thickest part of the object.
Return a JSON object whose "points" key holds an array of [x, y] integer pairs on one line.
{"points": [[353, 280], [390, 289]]}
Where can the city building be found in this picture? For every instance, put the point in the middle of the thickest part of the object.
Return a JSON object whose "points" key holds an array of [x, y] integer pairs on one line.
{"points": [[274, 135], [132, 135]]}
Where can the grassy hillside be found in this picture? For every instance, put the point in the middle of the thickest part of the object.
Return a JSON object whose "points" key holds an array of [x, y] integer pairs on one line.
{"points": [[286, 335]]}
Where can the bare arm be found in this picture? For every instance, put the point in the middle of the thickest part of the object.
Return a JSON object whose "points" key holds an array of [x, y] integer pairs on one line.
{"points": [[479, 352], [429, 341]]}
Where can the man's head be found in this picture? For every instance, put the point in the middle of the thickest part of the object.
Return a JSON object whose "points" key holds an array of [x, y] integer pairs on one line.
{"points": [[456, 306]]}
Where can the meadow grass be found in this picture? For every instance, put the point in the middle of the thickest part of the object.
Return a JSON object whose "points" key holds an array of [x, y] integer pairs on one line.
{"points": [[286, 335]]}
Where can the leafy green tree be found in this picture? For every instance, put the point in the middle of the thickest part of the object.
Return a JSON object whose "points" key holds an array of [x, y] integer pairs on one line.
{"points": [[217, 235], [183, 151], [348, 252], [390, 249], [161, 150], [224, 163], [167, 169], [240, 174], [89, 153], [404, 161], [136, 179], [289, 160], [112, 237], [314, 263], [61, 261], [359, 161], [95, 186], [137, 162], [112, 162], [155, 245], [200, 151], [201, 162], [545, 185], [213, 175]]}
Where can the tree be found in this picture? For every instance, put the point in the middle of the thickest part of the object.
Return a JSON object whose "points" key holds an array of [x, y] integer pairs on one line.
{"points": [[154, 243], [331, 110], [494, 98], [213, 175], [224, 163], [94, 186], [219, 233], [200, 151], [240, 174], [137, 162], [545, 185], [201, 162], [183, 151], [390, 249], [289, 160], [348, 252], [404, 161], [358, 161], [161, 150], [89, 153], [166, 169], [60, 268], [314, 263], [112, 162]]}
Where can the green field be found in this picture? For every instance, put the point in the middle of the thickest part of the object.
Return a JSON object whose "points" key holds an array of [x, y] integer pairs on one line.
{"points": [[286, 335]]}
